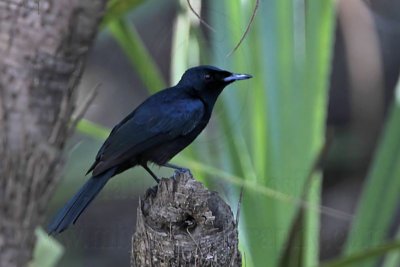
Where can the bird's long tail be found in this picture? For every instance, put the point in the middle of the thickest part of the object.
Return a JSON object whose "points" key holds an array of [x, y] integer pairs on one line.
{"points": [[77, 204]]}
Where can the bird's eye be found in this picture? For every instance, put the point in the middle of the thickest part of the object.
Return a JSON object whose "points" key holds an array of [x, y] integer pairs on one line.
{"points": [[207, 77]]}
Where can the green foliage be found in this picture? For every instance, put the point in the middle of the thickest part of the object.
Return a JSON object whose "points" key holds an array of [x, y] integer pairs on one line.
{"points": [[271, 128], [139, 56], [117, 8], [363, 258], [380, 196], [310, 248], [92, 129], [47, 250], [289, 57], [275, 143], [392, 258]]}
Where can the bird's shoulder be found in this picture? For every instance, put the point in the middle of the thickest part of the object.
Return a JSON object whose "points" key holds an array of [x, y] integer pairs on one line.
{"points": [[160, 104], [168, 105]]}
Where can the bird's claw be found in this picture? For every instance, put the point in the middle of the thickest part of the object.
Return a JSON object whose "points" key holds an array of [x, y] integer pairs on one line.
{"points": [[179, 172], [183, 170]]}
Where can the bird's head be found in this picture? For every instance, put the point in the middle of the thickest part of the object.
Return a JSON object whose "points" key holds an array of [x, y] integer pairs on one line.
{"points": [[208, 81]]}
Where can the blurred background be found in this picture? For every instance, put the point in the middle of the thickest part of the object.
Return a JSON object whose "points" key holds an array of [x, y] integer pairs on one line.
{"points": [[312, 138]]}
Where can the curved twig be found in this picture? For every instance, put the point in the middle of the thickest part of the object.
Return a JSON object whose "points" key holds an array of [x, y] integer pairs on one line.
{"points": [[247, 29], [208, 26]]}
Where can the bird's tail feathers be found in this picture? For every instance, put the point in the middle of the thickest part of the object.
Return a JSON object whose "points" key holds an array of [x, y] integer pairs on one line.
{"points": [[77, 204]]}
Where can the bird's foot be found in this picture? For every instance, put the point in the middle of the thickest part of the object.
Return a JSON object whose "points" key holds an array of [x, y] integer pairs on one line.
{"points": [[183, 170], [178, 169]]}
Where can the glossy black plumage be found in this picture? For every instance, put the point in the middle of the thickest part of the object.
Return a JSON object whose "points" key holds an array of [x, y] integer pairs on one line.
{"points": [[155, 131]]}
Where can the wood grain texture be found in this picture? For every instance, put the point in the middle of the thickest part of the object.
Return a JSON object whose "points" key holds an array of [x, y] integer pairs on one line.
{"points": [[181, 223]]}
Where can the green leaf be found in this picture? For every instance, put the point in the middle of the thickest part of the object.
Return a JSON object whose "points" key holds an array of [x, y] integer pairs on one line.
{"points": [[312, 223], [380, 195], [118, 8], [282, 122], [47, 250], [302, 246], [392, 259], [92, 129], [268, 130], [140, 58], [364, 257]]}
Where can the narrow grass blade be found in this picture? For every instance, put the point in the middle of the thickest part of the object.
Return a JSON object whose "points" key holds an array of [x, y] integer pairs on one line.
{"points": [[118, 8], [393, 259], [312, 223], [92, 129], [362, 258], [140, 58]]}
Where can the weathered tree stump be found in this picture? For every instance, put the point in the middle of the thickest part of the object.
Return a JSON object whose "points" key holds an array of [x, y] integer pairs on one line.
{"points": [[181, 223]]}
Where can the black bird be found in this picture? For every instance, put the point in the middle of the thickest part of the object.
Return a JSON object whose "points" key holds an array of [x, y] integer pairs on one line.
{"points": [[155, 131]]}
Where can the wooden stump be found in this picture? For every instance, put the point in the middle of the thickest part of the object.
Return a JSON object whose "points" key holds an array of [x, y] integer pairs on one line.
{"points": [[181, 223]]}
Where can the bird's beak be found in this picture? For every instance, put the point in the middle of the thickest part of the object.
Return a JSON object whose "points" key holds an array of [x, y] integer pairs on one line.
{"points": [[235, 77]]}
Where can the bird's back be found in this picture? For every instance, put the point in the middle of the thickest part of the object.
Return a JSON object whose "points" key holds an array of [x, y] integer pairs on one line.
{"points": [[155, 131]]}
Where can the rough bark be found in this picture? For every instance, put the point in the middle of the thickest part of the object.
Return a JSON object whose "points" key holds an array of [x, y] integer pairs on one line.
{"points": [[181, 223], [42, 49]]}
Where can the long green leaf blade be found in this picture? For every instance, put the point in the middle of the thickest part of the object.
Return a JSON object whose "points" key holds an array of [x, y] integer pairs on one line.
{"points": [[312, 223], [363, 258], [118, 8], [140, 58], [92, 129]]}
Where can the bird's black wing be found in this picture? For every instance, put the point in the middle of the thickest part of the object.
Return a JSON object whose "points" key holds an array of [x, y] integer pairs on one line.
{"points": [[151, 124]]}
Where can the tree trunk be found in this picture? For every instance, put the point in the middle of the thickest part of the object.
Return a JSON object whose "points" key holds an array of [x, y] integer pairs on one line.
{"points": [[43, 44], [181, 223]]}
